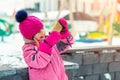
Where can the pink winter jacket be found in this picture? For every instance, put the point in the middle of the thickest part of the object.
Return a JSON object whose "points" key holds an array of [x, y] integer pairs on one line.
{"points": [[42, 66]]}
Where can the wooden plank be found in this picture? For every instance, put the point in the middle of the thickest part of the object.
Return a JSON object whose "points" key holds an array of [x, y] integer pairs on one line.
{"points": [[93, 49], [114, 10]]}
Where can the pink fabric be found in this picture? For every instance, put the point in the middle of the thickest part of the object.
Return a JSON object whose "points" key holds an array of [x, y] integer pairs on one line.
{"points": [[45, 48], [64, 23], [30, 26], [44, 66], [65, 32], [51, 40]]}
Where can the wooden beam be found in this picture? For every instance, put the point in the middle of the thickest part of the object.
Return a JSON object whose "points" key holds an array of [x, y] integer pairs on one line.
{"points": [[111, 22], [92, 49]]}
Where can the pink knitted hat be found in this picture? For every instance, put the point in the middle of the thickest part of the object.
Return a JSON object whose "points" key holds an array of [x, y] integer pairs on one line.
{"points": [[29, 25]]}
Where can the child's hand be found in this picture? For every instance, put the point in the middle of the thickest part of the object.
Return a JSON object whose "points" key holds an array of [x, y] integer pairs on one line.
{"points": [[53, 38], [64, 32], [49, 42]]}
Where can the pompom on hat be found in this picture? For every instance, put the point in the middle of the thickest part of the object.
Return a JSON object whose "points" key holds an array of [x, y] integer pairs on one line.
{"points": [[29, 25]]}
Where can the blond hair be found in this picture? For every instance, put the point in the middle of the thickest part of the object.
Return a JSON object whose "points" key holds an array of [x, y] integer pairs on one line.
{"points": [[28, 40]]}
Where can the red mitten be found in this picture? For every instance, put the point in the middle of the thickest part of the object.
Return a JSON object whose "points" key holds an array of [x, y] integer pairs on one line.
{"points": [[65, 32], [49, 42]]}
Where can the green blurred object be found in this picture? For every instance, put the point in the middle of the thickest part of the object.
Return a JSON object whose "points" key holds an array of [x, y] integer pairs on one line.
{"points": [[47, 26], [116, 27], [5, 28], [69, 26], [83, 35]]}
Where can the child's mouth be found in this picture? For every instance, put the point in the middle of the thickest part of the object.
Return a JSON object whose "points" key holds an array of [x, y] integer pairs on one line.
{"points": [[42, 37]]}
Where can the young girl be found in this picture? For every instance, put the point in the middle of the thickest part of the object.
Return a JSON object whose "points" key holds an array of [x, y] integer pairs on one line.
{"points": [[41, 52]]}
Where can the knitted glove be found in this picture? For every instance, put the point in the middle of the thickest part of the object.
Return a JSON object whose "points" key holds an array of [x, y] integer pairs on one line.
{"points": [[64, 32], [49, 42]]}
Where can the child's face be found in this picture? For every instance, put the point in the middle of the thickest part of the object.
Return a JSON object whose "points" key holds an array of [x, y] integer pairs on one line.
{"points": [[40, 35]]}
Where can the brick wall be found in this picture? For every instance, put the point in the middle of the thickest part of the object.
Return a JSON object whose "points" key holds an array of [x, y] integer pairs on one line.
{"points": [[8, 72], [103, 65]]}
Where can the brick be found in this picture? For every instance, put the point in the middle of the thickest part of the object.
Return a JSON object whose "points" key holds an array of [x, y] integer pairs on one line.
{"points": [[100, 68], [12, 77], [117, 75], [90, 59], [117, 56], [79, 78], [6, 70], [114, 66], [25, 77], [21, 71], [75, 57], [84, 70], [105, 76], [106, 57], [92, 77], [71, 65], [16, 77], [70, 74]]}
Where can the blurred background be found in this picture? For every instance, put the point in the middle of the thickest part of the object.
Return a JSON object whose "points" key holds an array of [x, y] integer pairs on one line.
{"points": [[91, 22]]}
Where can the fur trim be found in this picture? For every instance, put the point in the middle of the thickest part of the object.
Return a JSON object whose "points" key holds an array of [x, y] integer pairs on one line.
{"points": [[27, 41]]}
